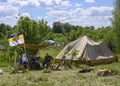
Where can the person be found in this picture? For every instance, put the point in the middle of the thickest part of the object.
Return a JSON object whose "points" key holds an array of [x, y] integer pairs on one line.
{"points": [[35, 63], [47, 61], [64, 62], [24, 60], [20, 59], [38, 58]]}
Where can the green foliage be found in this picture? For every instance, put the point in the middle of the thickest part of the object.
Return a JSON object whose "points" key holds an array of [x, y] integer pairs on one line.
{"points": [[57, 27], [74, 53], [107, 35], [67, 27], [116, 21], [34, 31], [63, 28]]}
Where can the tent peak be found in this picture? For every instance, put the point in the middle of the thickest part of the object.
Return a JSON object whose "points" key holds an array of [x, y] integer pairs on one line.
{"points": [[90, 41]]}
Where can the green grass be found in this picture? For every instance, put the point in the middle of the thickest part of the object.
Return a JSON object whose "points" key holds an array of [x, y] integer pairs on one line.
{"points": [[58, 78], [62, 77], [53, 51]]}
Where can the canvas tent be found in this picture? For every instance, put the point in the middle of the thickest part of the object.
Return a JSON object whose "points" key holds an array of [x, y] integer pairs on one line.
{"points": [[87, 51]]}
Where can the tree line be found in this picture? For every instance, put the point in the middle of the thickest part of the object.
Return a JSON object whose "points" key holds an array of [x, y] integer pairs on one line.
{"points": [[35, 32]]}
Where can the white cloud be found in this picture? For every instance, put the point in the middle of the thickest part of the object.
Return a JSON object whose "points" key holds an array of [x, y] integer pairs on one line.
{"points": [[78, 11], [40, 3], [55, 10], [8, 10], [10, 20], [58, 13], [92, 11], [56, 4], [78, 5], [51, 2], [84, 17], [90, 1], [65, 4], [8, 14], [25, 14], [22, 3]]}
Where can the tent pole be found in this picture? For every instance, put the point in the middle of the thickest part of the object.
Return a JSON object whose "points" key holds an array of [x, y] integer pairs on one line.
{"points": [[15, 63], [27, 55], [8, 55], [25, 49]]}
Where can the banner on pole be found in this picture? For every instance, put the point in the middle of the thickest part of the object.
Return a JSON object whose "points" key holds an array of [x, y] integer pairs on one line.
{"points": [[15, 39]]}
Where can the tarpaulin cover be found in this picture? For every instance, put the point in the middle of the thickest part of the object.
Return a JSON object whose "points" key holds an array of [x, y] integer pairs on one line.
{"points": [[34, 46]]}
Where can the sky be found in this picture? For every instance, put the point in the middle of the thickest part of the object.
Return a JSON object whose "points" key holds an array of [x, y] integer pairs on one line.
{"points": [[95, 13]]}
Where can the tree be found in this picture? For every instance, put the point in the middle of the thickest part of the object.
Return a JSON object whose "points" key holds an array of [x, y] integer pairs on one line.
{"points": [[34, 31], [107, 35], [4, 31], [57, 27], [116, 21], [66, 27]]}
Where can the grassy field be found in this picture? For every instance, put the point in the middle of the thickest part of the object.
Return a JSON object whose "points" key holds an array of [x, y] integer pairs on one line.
{"points": [[70, 77], [62, 77], [53, 51]]}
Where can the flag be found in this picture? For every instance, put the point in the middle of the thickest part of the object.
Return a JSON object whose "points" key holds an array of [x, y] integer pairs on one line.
{"points": [[15, 39]]}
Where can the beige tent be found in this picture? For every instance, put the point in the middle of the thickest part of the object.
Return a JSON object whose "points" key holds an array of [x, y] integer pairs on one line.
{"points": [[87, 51]]}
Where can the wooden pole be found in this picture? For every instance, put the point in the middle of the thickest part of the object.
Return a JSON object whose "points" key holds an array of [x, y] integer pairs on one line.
{"points": [[27, 56], [25, 49], [15, 59], [8, 54]]}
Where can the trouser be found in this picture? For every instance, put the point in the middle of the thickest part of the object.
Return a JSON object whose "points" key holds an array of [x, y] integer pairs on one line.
{"points": [[46, 64]]}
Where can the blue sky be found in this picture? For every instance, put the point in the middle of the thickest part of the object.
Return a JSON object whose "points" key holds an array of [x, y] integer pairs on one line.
{"points": [[76, 12]]}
